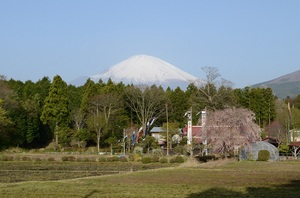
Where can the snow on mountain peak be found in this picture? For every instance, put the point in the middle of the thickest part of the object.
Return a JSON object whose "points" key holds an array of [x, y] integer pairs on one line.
{"points": [[144, 69]]}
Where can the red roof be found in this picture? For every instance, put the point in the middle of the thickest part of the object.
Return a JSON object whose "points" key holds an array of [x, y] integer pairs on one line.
{"points": [[196, 130], [294, 144]]}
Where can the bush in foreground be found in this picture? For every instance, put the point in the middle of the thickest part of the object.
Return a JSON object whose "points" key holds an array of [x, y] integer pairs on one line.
{"points": [[112, 159], [263, 155], [3, 158], [68, 158], [50, 159], [163, 160], [101, 159], [154, 158], [177, 159], [146, 159], [123, 159]]}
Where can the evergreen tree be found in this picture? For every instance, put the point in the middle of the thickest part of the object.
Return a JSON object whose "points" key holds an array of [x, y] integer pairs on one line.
{"points": [[89, 91], [55, 110], [4, 120], [269, 106], [242, 97], [179, 105]]}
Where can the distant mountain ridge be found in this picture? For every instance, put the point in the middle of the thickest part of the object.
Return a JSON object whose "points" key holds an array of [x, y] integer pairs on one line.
{"points": [[283, 86]]}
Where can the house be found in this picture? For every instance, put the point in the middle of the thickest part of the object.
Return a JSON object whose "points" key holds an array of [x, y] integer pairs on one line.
{"points": [[159, 134], [272, 141], [294, 135], [196, 132]]}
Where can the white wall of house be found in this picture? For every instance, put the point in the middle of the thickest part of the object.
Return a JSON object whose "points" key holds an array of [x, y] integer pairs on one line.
{"points": [[157, 136], [157, 132], [294, 135]]}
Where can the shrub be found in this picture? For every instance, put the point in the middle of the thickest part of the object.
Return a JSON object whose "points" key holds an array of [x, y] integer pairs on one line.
{"points": [[25, 158], [52, 147], [179, 149], [17, 158], [134, 157], [85, 159], [79, 159], [71, 158], [138, 150], [37, 159], [112, 159], [64, 158], [154, 158], [206, 158], [102, 159], [3, 158], [157, 152], [10, 158], [163, 160], [146, 159], [51, 159], [123, 159], [131, 157], [68, 158], [6, 158], [177, 159], [263, 155]]}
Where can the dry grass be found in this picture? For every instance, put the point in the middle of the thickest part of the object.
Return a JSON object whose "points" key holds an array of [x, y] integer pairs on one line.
{"points": [[192, 162], [223, 178]]}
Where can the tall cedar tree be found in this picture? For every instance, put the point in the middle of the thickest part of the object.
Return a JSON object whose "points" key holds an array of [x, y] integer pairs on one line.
{"points": [[55, 110], [259, 100], [178, 103]]}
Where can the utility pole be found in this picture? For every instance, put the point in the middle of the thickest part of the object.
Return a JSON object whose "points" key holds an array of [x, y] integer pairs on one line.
{"points": [[167, 129], [124, 142], [188, 114]]}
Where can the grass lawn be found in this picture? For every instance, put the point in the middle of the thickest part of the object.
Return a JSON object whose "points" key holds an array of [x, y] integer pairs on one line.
{"points": [[212, 179]]}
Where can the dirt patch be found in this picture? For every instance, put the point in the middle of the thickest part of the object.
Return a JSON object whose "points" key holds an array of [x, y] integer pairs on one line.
{"points": [[216, 163]]}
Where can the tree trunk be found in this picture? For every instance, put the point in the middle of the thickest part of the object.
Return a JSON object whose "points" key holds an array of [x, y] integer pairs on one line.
{"points": [[111, 149], [56, 134], [98, 140]]}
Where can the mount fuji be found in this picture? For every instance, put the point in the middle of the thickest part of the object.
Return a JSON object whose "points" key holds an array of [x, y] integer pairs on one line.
{"points": [[147, 70]]}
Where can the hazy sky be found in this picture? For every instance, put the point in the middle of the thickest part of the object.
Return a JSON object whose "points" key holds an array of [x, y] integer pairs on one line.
{"points": [[249, 41]]}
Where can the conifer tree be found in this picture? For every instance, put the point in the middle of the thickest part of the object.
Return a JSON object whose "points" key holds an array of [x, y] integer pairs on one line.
{"points": [[55, 110], [4, 120]]}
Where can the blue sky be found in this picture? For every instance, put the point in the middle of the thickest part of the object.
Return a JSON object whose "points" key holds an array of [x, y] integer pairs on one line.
{"points": [[248, 41]]}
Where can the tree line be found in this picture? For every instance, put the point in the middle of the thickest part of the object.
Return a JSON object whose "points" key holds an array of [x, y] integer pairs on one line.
{"points": [[33, 114]]}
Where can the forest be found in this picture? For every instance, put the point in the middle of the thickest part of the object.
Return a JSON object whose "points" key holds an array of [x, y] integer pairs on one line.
{"points": [[51, 112]]}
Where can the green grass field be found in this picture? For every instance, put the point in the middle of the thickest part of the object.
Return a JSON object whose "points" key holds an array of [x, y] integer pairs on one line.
{"points": [[212, 179]]}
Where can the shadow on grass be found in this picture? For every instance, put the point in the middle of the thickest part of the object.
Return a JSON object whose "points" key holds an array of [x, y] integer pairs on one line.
{"points": [[291, 189], [91, 194]]}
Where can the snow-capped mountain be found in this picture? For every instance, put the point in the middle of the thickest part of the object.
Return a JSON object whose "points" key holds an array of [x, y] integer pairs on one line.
{"points": [[147, 70]]}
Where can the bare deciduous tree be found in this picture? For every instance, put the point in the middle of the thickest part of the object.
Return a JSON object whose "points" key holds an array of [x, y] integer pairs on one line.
{"points": [[146, 102], [276, 130], [215, 93], [104, 106], [229, 128]]}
